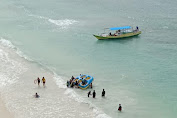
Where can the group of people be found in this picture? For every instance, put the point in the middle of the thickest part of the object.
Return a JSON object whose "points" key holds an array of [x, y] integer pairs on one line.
{"points": [[118, 32], [71, 83], [94, 93], [38, 81], [43, 80], [103, 95]]}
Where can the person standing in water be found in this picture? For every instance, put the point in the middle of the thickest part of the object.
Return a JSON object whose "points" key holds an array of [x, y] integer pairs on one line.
{"points": [[120, 107], [67, 83], [103, 93], [91, 85], [38, 81], [43, 79], [94, 94], [89, 93]]}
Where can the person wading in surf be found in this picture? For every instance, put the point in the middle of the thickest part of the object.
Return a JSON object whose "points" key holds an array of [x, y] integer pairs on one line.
{"points": [[38, 81], [94, 94], [43, 79], [103, 93], [120, 107], [89, 93]]}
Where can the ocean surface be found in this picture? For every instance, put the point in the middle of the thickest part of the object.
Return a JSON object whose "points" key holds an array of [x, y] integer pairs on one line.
{"points": [[54, 39]]}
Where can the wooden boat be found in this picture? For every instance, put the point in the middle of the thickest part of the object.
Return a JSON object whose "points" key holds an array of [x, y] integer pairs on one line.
{"points": [[121, 32]]}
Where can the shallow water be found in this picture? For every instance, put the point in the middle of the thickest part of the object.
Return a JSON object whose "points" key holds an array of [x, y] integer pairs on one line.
{"points": [[137, 72], [18, 89]]}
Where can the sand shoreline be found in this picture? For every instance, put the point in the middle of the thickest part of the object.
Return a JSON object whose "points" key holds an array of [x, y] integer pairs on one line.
{"points": [[18, 88], [4, 113]]}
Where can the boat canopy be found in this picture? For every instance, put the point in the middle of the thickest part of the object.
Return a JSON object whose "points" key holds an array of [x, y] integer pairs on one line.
{"points": [[120, 28]]}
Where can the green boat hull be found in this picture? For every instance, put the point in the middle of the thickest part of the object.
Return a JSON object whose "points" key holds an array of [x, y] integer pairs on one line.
{"points": [[130, 34]]}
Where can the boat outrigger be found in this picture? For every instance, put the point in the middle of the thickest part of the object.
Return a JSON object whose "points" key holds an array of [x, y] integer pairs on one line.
{"points": [[121, 32]]}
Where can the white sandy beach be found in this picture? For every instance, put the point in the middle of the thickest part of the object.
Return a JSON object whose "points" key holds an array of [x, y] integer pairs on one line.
{"points": [[4, 113]]}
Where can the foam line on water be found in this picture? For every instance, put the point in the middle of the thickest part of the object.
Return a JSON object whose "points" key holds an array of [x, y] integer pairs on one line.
{"points": [[10, 69], [62, 23], [7, 43]]}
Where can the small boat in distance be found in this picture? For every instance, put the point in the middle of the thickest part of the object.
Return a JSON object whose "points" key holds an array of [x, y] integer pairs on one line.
{"points": [[120, 32]]}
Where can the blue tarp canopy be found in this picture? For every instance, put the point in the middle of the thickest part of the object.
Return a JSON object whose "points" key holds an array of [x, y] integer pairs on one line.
{"points": [[120, 28]]}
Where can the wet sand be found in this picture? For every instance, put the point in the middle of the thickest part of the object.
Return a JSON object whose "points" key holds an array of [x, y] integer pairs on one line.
{"points": [[4, 113]]}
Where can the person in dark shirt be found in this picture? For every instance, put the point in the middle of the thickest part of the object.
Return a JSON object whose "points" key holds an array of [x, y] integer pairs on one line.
{"points": [[89, 93], [91, 85], [103, 93], [68, 83], [110, 34], [76, 83], [137, 28], [120, 107], [36, 95], [38, 80], [72, 77], [94, 94]]}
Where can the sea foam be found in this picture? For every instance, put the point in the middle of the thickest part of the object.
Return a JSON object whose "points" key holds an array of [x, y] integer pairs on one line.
{"points": [[61, 23], [10, 68]]}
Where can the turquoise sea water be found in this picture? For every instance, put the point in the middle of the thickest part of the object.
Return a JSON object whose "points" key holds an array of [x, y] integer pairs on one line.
{"points": [[138, 72]]}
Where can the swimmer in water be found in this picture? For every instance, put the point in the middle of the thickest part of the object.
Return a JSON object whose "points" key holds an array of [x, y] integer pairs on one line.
{"points": [[36, 95], [120, 107]]}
